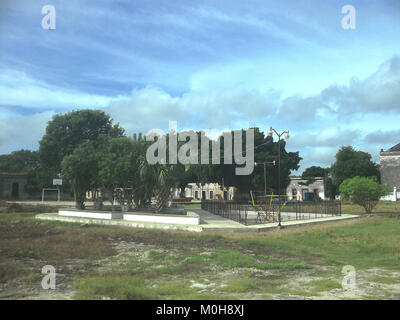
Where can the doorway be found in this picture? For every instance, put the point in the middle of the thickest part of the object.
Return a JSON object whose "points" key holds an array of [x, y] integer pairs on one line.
{"points": [[15, 190]]}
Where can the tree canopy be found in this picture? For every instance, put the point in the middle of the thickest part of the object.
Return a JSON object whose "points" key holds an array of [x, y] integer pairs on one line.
{"points": [[65, 132], [351, 163], [265, 150], [315, 171], [22, 161], [81, 169]]}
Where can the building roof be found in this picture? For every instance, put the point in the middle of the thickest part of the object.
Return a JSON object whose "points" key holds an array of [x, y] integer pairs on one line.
{"points": [[395, 148], [305, 179]]}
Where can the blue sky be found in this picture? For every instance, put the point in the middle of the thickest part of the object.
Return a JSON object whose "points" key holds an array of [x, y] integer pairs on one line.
{"points": [[209, 65]]}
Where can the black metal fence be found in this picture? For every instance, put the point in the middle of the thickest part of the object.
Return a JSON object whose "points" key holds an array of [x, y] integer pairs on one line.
{"points": [[236, 211], [261, 213]]}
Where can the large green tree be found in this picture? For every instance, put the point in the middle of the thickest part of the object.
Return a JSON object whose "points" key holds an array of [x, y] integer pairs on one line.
{"points": [[115, 165], [65, 132], [81, 169], [351, 163]]}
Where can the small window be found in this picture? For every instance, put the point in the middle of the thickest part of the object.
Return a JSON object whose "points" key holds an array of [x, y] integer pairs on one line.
{"points": [[211, 195]]}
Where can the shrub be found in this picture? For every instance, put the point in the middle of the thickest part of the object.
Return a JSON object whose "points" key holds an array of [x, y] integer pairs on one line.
{"points": [[364, 191]]}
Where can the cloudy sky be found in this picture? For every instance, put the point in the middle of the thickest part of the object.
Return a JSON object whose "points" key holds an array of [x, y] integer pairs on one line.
{"points": [[218, 65]]}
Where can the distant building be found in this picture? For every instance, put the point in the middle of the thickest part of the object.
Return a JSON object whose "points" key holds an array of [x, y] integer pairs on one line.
{"points": [[207, 191], [12, 186], [390, 169], [297, 188]]}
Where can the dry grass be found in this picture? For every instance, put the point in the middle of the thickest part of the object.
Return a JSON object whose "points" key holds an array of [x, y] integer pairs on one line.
{"points": [[11, 207], [381, 207], [180, 257], [52, 243]]}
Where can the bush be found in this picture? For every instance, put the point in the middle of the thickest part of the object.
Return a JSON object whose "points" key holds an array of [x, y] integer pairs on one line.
{"points": [[364, 191]]}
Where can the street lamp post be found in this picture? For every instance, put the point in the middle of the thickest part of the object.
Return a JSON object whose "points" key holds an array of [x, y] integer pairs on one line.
{"points": [[285, 134]]}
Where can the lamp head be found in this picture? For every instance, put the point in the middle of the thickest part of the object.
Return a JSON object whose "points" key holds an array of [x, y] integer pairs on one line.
{"points": [[270, 132], [287, 136]]}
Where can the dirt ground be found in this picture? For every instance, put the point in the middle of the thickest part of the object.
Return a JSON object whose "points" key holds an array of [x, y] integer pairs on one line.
{"points": [[282, 265], [211, 283]]}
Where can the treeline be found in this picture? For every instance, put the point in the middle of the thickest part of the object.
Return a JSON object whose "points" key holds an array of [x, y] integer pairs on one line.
{"points": [[90, 152]]}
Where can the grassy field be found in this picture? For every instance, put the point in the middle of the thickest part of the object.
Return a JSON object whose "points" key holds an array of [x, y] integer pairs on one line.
{"points": [[385, 207], [105, 262]]}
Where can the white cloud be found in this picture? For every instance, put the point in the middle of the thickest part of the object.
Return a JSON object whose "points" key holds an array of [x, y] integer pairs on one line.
{"points": [[316, 156], [19, 89], [151, 108], [326, 137], [383, 137], [380, 92], [23, 132], [320, 124]]}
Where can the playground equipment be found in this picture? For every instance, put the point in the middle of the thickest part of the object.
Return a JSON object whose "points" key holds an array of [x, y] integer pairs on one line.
{"points": [[124, 196], [267, 205]]}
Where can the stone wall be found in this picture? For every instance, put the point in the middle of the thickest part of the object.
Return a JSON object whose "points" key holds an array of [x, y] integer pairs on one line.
{"points": [[12, 186], [390, 169]]}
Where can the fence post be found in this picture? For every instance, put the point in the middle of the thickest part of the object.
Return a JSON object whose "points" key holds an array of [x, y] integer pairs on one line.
{"points": [[315, 210]]}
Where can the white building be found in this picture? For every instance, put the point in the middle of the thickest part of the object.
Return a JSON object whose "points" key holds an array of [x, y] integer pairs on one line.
{"points": [[297, 188], [207, 191]]}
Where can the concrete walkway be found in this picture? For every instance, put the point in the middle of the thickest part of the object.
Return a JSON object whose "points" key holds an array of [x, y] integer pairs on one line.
{"points": [[208, 223], [212, 222]]}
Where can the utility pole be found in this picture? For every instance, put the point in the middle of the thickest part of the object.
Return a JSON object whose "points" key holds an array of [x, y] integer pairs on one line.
{"points": [[265, 173], [265, 180]]}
